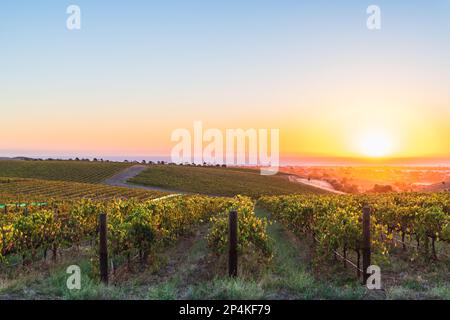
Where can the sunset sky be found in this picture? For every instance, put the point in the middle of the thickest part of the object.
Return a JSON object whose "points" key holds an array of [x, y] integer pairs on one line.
{"points": [[137, 70]]}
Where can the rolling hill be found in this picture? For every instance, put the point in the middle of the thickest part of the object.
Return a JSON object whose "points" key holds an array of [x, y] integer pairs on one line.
{"points": [[76, 171], [219, 181]]}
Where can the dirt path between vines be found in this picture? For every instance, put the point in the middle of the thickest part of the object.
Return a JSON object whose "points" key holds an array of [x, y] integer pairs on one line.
{"points": [[319, 184], [120, 180], [179, 267]]}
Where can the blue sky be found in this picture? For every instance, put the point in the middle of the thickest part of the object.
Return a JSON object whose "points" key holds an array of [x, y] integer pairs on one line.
{"points": [[171, 62]]}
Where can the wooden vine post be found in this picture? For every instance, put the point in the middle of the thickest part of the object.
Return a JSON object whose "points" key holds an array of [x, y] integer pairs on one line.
{"points": [[366, 242], [233, 240], [103, 250]]}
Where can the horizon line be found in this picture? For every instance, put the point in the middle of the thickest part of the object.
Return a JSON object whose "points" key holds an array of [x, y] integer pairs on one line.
{"points": [[284, 160]]}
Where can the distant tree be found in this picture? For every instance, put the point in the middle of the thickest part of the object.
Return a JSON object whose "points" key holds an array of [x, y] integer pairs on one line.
{"points": [[381, 189], [144, 162], [351, 189]]}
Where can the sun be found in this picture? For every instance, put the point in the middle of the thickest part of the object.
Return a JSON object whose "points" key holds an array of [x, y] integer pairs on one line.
{"points": [[375, 144]]}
